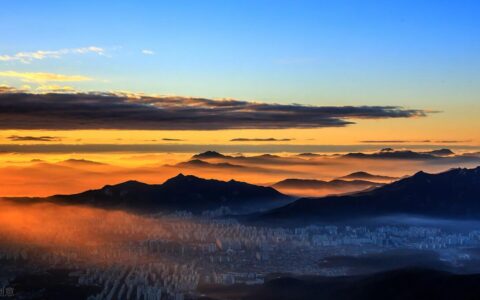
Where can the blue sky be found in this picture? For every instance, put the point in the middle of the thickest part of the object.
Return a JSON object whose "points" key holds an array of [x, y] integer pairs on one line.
{"points": [[414, 53]]}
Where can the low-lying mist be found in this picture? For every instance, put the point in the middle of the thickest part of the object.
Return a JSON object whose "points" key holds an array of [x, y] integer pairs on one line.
{"points": [[92, 234], [22, 175]]}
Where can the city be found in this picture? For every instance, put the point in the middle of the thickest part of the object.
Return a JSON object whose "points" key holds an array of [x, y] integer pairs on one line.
{"points": [[173, 256]]}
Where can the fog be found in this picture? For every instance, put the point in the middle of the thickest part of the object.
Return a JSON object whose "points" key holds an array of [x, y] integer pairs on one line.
{"points": [[87, 233], [44, 175]]}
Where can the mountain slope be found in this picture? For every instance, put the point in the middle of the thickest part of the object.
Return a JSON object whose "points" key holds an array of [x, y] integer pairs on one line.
{"points": [[197, 163], [178, 193], [367, 176], [403, 154], [307, 187], [208, 154], [454, 193]]}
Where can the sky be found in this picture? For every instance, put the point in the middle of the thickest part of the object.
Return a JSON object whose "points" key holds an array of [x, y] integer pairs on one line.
{"points": [[420, 60]]}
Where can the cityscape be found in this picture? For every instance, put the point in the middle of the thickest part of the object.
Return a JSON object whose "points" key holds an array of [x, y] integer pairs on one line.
{"points": [[181, 256]]}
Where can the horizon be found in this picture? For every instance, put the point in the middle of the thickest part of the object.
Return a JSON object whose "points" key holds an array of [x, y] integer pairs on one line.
{"points": [[416, 75]]}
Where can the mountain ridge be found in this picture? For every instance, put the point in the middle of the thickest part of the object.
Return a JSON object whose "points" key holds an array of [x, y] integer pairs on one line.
{"points": [[181, 192], [451, 194]]}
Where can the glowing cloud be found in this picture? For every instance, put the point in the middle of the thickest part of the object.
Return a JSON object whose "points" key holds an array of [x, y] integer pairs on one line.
{"points": [[72, 111], [40, 77], [27, 57], [55, 88]]}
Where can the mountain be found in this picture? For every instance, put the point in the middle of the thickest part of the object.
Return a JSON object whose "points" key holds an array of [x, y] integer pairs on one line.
{"points": [[262, 159], [309, 154], [82, 161], [182, 192], [367, 176], [451, 194], [408, 283], [402, 154], [389, 153], [441, 152], [319, 184], [198, 163], [208, 155], [318, 187]]}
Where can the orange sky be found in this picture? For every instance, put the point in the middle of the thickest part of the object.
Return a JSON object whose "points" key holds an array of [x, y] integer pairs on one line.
{"points": [[435, 127], [37, 174]]}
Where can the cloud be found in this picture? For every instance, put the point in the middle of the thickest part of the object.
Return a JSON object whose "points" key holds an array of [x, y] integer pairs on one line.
{"points": [[55, 88], [260, 140], [453, 141], [171, 140], [40, 77], [17, 138], [412, 141], [391, 141], [21, 110], [55, 148], [7, 89], [148, 52], [10, 89], [27, 57]]}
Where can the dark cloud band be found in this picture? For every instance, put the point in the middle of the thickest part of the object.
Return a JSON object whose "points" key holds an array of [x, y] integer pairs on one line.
{"points": [[17, 138], [54, 148], [413, 142], [19, 110], [260, 140]]}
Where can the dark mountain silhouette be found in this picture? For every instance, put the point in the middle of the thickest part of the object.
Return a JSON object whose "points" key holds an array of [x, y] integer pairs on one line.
{"points": [[182, 192], [198, 163], [441, 152], [410, 283], [309, 154], [367, 176], [389, 153], [267, 156], [262, 159], [402, 154], [337, 184], [208, 155], [74, 161], [452, 194]]}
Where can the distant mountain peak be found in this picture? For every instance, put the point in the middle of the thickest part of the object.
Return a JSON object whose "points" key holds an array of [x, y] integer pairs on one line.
{"points": [[81, 161], [392, 154], [441, 152], [182, 192], [126, 184], [205, 164], [308, 154], [362, 175], [208, 154], [359, 173], [181, 178], [450, 194]]}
